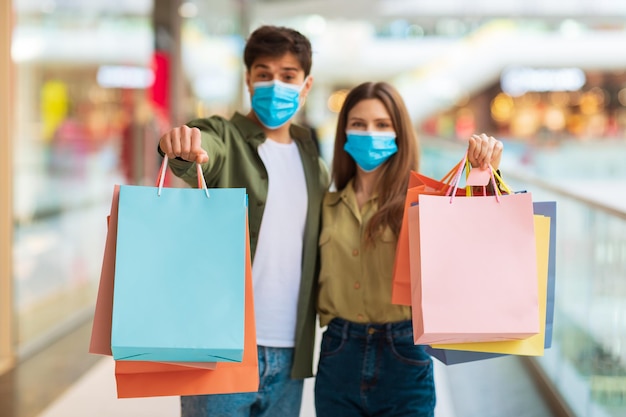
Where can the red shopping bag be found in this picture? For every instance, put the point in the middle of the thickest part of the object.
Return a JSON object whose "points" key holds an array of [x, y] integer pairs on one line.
{"points": [[150, 379], [475, 274]]}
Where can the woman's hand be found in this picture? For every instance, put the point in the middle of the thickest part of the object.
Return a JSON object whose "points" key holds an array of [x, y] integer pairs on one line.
{"points": [[484, 150]]}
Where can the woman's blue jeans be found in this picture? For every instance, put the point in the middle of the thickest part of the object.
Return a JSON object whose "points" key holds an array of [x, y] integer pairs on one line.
{"points": [[278, 395], [373, 370]]}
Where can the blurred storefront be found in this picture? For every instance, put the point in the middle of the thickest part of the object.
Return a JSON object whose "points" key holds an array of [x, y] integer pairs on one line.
{"points": [[94, 86], [541, 106], [72, 112], [84, 119]]}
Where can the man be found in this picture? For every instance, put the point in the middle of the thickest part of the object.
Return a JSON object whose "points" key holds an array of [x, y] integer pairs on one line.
{"points": [[278, 163]]}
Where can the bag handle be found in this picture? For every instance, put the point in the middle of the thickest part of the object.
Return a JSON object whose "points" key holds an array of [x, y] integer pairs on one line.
{"points": [[447, 179], [454, 183], [464, 163], [163, 170], [495, 177]]}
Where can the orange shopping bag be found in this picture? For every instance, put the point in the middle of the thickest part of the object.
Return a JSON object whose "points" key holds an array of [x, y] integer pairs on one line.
{"points": [[475, 275], [100, 342], [151, 379]]}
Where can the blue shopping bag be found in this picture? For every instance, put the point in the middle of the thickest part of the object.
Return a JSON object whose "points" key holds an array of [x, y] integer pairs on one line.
{"points": [[179, 274], [452, 357], [548, 209]]}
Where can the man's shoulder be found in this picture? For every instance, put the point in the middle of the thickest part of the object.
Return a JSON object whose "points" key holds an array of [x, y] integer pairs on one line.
{"points": [[303, 136]]}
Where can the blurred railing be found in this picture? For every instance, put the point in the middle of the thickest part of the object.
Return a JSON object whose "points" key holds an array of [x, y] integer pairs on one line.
{"points": [[586, 365]]}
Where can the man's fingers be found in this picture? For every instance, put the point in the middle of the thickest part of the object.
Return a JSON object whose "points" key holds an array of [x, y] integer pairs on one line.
{"points": [[184, 142], [202, 158]]}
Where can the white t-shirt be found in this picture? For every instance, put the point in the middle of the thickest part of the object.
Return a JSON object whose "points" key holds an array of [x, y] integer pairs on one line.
{"points": [[277, 266]]}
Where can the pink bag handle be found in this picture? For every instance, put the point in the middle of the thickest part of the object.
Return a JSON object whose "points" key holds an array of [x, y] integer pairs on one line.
{"points": [[163, 170], [457, 178]]}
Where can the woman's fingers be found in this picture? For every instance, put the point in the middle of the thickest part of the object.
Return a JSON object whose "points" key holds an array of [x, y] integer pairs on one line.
{"points": [[484, 150]]}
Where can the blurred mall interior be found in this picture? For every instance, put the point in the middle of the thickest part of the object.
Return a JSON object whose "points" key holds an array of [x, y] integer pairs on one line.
{"points": [[87, 87]]}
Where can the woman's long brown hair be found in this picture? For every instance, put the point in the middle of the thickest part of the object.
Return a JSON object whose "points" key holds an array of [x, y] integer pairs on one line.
{"points": [[392, 182]]}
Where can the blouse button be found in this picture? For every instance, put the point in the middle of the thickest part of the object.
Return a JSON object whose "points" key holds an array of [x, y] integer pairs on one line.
{"points": [[357, 285], [355, 252], [359, 316]]}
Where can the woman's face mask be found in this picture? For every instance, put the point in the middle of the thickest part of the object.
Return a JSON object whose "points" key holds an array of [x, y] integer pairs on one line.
{"points": [[370, 149], [275, 102]]}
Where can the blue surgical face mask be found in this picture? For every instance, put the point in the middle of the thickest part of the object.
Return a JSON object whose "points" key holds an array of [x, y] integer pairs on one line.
{"points": [[370, 149], [275, 102]]}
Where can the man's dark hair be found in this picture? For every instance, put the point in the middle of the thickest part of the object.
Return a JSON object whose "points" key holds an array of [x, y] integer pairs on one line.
{"points": [[275, 41]]}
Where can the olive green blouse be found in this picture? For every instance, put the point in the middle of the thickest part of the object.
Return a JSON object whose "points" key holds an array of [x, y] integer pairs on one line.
{"points": [[355, 277]]}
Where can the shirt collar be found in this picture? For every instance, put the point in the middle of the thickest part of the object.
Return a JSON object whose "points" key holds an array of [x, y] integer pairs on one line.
{"points": [[348, 197], [348, 193]]}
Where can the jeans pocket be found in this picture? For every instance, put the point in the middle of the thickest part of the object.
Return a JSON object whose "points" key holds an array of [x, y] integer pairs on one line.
{"points": [[407, 352], [332, 343]]}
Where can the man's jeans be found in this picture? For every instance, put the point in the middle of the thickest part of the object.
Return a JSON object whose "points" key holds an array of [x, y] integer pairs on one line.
{"points": [[278, 395], [373, 370]]}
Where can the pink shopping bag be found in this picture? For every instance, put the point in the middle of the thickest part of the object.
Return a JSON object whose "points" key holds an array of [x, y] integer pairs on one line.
{"points": [[473, 271], [418, 184], [533, 345]]}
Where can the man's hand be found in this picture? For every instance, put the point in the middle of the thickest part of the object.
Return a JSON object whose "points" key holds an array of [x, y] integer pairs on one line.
{"points": [[184, 142]]}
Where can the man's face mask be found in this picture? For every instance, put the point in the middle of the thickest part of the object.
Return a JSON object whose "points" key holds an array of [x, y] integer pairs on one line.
{"points": [[370, 149], [275, 102]]}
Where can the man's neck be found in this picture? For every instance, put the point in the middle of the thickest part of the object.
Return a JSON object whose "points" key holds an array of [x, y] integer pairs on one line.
{"points": [[280, 135]]}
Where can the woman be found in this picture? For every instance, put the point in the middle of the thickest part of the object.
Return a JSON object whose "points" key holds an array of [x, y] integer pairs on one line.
{"points": [[369, 365]]}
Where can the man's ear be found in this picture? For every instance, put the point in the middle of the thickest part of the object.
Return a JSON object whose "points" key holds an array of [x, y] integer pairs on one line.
{"points": [[248, 85], [308, 83]]}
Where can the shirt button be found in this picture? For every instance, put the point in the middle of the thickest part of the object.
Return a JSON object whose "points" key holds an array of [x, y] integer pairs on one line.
{"points": [[259, 203], [359, 316], [355, 252], [357, 285]]}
